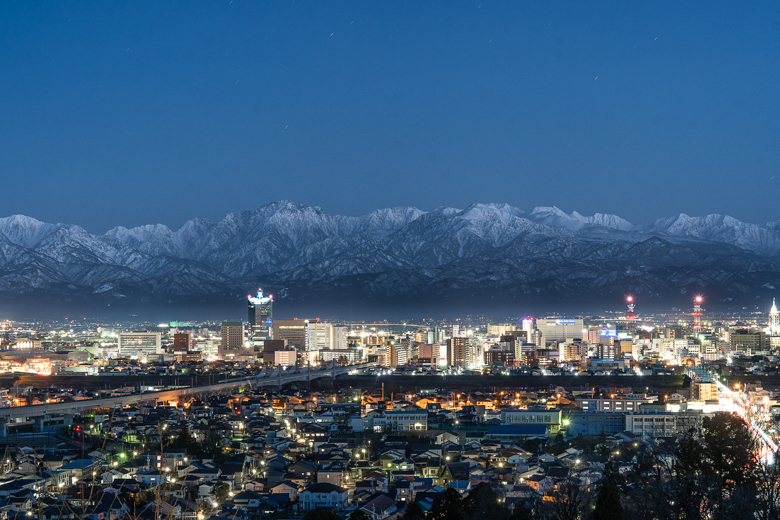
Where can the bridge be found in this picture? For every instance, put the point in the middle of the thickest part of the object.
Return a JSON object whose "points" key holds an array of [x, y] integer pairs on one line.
{"points": [[39, 413]]}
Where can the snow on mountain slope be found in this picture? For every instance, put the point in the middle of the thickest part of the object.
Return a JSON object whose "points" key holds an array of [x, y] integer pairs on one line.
{"points": [[762, 239], [496, 244], [25, 231], [554, 217]]}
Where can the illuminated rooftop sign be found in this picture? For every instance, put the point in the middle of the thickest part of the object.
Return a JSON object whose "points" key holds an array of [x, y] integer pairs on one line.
{"points": [[260, 299]]}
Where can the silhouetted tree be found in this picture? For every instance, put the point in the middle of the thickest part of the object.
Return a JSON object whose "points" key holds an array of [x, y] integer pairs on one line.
{"points": [[321, 514], [729, 446], [483, 503], [414, 512], [608, 506], [359, 514], [566, 502], [447, 506]]}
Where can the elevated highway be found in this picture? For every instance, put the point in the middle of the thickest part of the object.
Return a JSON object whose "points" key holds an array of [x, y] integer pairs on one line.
{"points": [[40, 412]]}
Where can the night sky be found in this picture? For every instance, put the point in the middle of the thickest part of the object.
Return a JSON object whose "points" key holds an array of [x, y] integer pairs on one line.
{"points": [[128, 113]]}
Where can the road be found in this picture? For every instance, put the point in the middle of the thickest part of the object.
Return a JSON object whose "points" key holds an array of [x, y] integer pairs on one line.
{"points": [[276, 378]]}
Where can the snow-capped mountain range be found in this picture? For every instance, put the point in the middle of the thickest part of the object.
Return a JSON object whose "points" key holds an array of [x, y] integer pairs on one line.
{"points": [[483, 251]]}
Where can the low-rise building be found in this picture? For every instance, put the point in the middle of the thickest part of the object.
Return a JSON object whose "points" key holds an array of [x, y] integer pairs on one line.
{"points": [[406, 420], [323, 494]]}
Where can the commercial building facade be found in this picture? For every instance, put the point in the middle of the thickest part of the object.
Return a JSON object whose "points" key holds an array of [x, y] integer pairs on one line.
{"points": [[559, 330], [261, 315], [457, 352], [140, 345], [231, 339], [293, 331]]}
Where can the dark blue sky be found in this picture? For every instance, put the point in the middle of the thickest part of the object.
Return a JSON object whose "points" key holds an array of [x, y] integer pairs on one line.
{"points": [[132, 113]]}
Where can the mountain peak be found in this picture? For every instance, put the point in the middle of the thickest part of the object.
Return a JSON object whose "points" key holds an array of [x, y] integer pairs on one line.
{"points": [[554, 217]]}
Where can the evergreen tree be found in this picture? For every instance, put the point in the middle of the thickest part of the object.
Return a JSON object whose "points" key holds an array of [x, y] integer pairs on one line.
{"points": [[482, 502], [359, 514], [447, 506], [321, 514], [414, 512], [522, 511], [608, 506], [729, 446]]}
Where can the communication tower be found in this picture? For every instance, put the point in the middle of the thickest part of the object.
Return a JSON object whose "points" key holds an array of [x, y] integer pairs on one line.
{"points": [[697, 315], [631, 317]]}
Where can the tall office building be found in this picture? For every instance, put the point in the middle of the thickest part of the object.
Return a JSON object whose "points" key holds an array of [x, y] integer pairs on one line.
{"points": [[294, 331], [457, 352], [140, 344], [500, 330], [749, 342], [559, 329], [398, 355], [182, 342], [319, 336], [340, 335], [232, 339], [528, 327], [261, 315]]}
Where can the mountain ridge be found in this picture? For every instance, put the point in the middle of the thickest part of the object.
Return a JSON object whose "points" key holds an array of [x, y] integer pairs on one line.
{"points": [[493, 249]]}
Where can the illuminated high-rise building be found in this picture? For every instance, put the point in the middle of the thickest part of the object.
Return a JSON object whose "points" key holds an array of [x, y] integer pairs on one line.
{"points": [[457, 352], [319, 336], [261, 315], [774, 320]]}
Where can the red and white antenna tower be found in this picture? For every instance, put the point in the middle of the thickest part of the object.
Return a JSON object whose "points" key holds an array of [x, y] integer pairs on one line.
{"points": [[631, 317], [697, 314]]}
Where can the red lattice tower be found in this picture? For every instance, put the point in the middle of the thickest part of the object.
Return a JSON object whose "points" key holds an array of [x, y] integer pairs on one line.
{"points": [[697, 314], [631, 317]]}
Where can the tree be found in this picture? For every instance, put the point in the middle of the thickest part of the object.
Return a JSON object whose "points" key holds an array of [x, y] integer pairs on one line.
{"points": [[608, 506], [447, 506], [482, 502], [321, 514], [566, 502], [524, 511], [359, 514], [729, 446], [414, 512], [531, 445], [184, 441], [221, 490]]}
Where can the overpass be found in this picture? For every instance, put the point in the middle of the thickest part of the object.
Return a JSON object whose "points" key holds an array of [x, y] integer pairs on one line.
{"points": [[276, 378]]}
